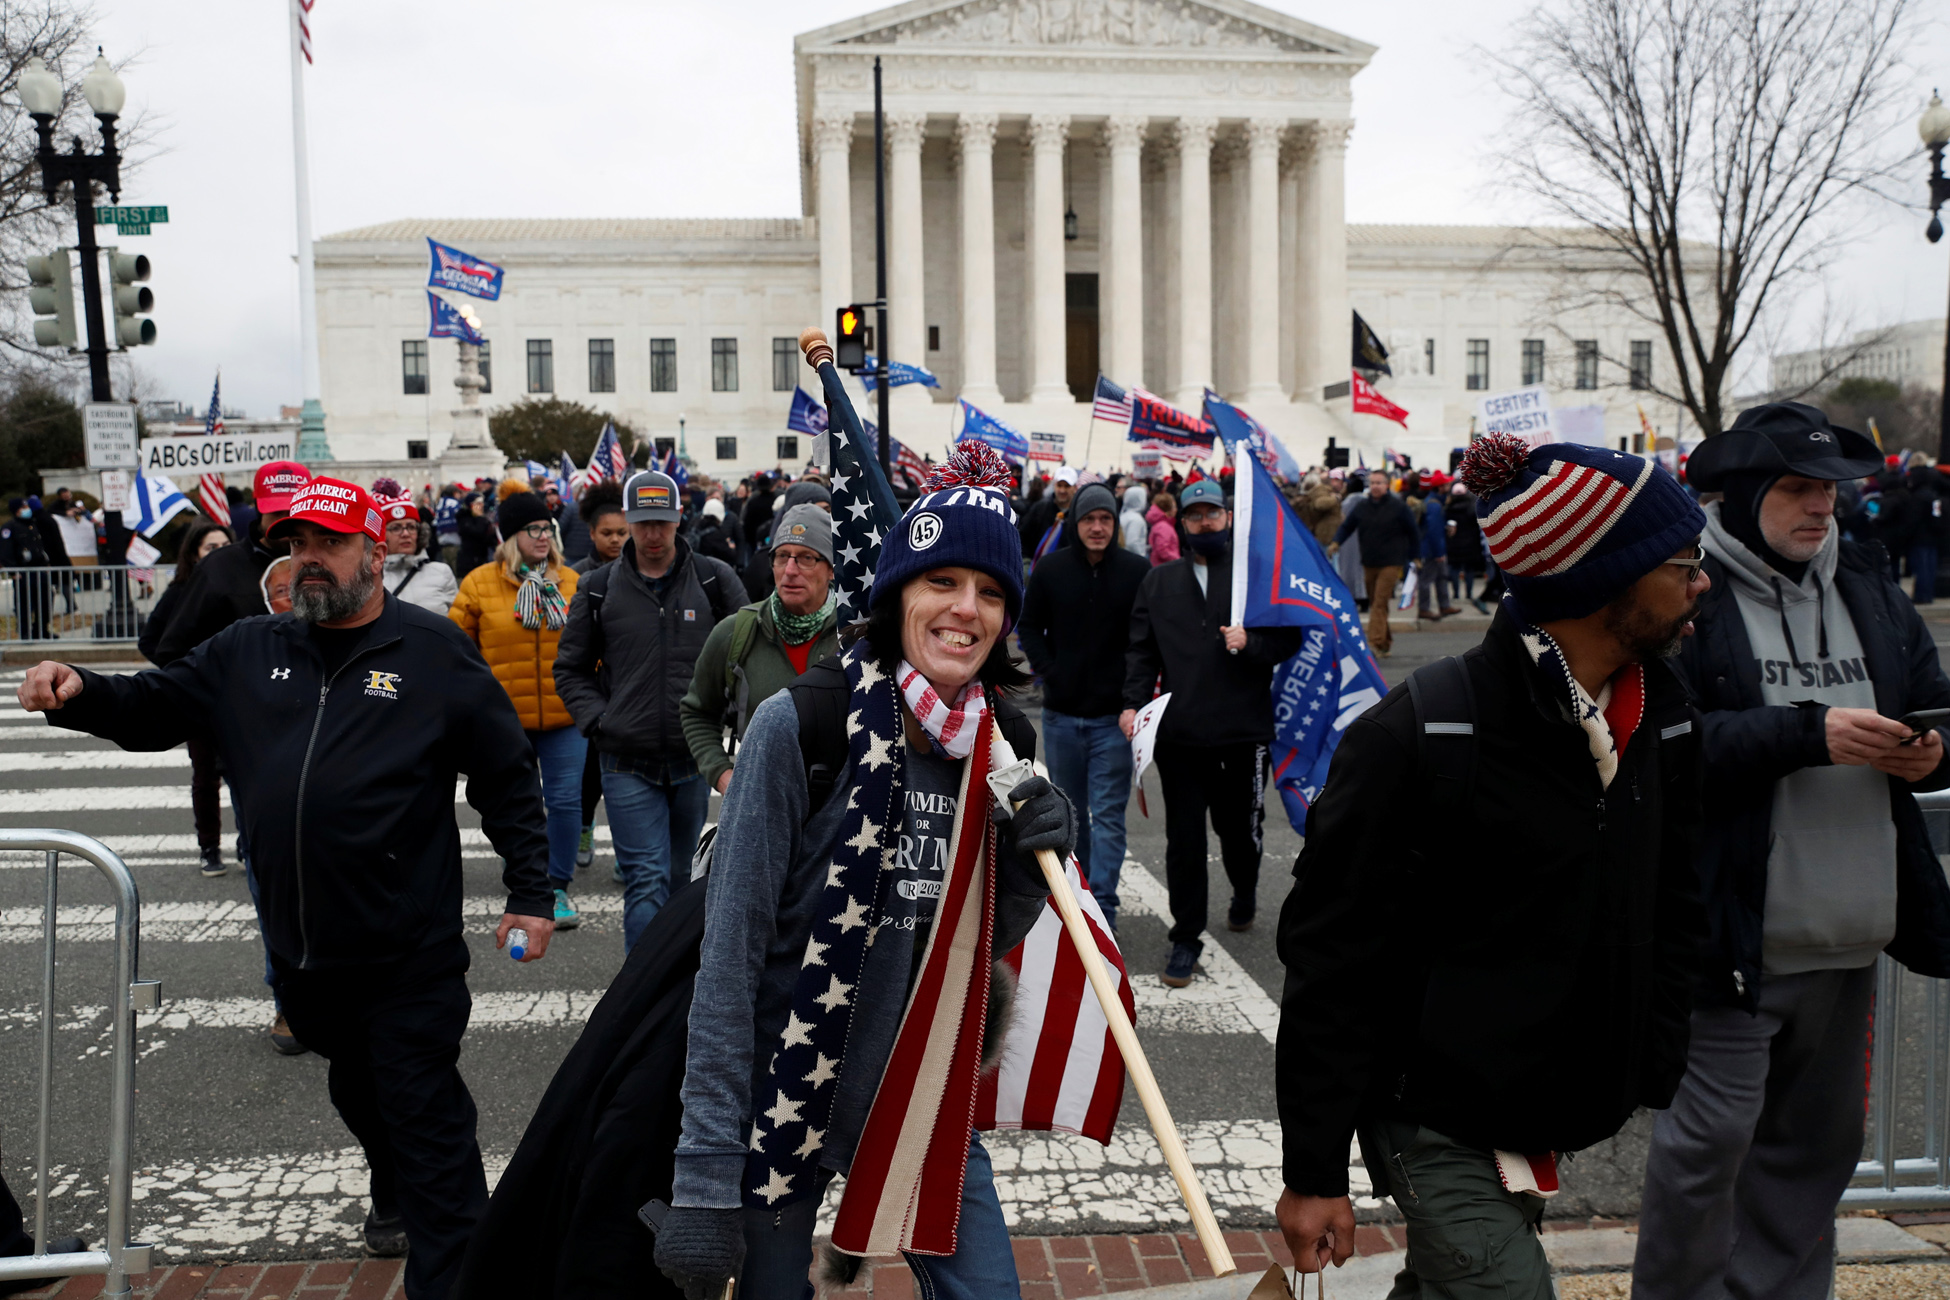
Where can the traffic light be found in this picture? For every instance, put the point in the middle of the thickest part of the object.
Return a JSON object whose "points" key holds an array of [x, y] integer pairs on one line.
{"points": [[850, 339], [52, 296], [124, 269]]}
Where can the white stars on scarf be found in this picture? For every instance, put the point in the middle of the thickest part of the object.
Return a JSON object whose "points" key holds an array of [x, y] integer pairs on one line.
{"points": [[835, 994], [785, 1111], [853, 721], [798, 1033], [870, 673], [833, 872], [815, 1139], [855, 914], [774, 1187], [879, 753], [816, 952], [758, 1139], [824, 1071], [868, 836]]}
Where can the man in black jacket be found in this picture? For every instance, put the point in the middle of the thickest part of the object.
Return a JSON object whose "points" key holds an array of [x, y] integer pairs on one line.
{"points": [[228, 585], [1815, 860], [1390, 540], [344, 726], [1474, 1004], [1076, 625], [1212, 741], [623, 666]]}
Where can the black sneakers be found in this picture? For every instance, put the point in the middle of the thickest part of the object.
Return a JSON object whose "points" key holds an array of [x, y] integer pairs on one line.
{"points": [[385, 1238], [1184, 959], [212, 864], [1239, 916]]}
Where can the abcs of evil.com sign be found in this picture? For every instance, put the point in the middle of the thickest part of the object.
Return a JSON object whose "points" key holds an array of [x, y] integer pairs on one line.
{"points": [[196, 453]]}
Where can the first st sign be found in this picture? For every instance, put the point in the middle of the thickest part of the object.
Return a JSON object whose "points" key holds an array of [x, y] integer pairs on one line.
{"points": [[108, 429]]}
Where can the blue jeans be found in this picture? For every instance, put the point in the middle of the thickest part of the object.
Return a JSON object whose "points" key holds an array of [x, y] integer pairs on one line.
{"points": [[778, 1247], [1090, 761], [250, 878], [653, 827], [560, 754]]}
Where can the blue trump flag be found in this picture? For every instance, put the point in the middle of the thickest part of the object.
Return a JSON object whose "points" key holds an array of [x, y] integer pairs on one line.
{"points": [[462, 272], [898, 373], [1236, 426], [447, 323], [1281, 578], [806, 415], [983, 427]]}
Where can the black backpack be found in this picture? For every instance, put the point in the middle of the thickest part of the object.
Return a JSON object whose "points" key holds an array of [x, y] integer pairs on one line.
{"points": [[1445, 734]]}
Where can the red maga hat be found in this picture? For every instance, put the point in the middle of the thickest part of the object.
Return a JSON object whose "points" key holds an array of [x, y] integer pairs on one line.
{"points": [[330, 503], [274, 483]]}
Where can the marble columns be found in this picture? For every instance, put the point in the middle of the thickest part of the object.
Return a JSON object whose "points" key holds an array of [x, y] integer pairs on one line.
{"points": [[1048, 134], [906, 306], [1121, 283], [975, 137], [1194, 139]]}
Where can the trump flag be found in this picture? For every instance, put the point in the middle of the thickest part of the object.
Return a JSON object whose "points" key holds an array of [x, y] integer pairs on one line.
{"points": [[1281, 578], [462, 272]]}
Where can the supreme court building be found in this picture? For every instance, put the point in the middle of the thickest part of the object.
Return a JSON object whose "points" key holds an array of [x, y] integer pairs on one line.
{"points": [[1150, 188]]}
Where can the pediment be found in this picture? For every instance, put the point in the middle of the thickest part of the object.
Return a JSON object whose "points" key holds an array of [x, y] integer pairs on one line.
{"points": [[1089, 24]]}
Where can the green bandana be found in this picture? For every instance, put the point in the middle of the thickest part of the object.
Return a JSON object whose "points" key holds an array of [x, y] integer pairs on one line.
{"points": [[797, 629]]}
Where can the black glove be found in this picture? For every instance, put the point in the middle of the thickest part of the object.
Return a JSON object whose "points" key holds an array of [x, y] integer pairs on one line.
{"points": [[700, 1250], [1044, 820]]}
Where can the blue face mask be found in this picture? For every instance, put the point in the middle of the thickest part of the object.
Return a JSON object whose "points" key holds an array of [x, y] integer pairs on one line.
{"points": [[1210, 545], [24, 513]]}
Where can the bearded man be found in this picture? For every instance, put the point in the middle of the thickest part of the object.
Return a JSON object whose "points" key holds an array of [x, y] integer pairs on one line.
{"points": [[1477, 1002], [344, 726], [1815, 860]]}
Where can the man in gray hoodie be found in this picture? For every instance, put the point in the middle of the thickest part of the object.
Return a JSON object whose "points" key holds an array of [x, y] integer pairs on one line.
{"points": [[1814, 859]]}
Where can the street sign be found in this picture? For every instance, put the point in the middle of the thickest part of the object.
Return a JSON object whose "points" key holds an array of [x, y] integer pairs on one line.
{"points": [[131, 220], [118, 485], [197, 452], [108, 428]]}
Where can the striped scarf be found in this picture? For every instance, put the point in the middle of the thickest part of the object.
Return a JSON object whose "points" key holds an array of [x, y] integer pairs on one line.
{"points": [[539, 603], [952, 728], [904, 1186]]}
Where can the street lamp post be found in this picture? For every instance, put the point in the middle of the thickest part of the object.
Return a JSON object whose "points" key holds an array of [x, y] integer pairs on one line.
{"points": [[1934, 127], [40, 94]]}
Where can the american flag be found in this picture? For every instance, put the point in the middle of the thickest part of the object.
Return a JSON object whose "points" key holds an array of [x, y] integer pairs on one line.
{"points": [[303, 9], [209, 486], [1113, 403], [607, 462], [863, 509]]}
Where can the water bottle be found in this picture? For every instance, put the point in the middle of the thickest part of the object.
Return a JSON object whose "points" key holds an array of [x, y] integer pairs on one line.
{"points": [[517, 943]]}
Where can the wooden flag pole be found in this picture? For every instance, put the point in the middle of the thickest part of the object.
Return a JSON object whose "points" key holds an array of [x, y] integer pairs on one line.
{"points": [[1204, 1223]]}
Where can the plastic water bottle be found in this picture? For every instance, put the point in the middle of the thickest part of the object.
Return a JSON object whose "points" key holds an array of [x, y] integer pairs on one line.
{"points": [[517, 943]]}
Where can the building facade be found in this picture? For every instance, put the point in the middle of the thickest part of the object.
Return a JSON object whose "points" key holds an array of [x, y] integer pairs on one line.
{"points": [[1910, 354], [1152, 189]]}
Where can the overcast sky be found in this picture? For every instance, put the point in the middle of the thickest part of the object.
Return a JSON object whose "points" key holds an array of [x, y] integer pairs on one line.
{"points": [[586, 108]]}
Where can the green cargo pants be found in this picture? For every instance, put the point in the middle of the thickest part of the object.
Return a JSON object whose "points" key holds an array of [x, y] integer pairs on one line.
{"points": [[1468, 1239]]}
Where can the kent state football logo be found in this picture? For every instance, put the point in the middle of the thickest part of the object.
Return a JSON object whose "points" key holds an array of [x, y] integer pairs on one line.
{"points": [[383, 685]]}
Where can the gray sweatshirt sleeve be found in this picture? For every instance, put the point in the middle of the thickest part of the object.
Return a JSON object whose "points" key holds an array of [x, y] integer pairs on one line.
{"points": [[758, 840]]}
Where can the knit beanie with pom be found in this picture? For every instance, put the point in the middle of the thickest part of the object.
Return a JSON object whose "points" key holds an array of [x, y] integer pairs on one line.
{"points": [[1573, 527], [394, 501], [962, 518]]}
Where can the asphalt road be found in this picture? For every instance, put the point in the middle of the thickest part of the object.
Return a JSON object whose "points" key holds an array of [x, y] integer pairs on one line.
{"points": [[240, 1155]]}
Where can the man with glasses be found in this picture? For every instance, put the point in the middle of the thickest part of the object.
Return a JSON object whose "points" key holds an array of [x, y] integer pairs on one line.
{"points": [[624, 665], [1516, 986], [1815, 860], [753, 656]]}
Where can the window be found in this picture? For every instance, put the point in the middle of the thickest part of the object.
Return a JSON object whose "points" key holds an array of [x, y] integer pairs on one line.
{"points": [[1587, 363], [413, 366], [663, 365], [487, 368], [785, 365], [602, 365], [934, 338], [724, 365], [1533, 361], [727, 449], [416, 449], [1428, 356], [1479, 365], [541, 366], [1641, 363], [788, 448]]}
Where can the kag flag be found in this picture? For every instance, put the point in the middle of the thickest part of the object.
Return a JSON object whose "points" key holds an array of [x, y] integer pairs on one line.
{"points": [[448, 323], [898, 373], [462, 273], [1281, 578], [1154, 420], [983, 427]]}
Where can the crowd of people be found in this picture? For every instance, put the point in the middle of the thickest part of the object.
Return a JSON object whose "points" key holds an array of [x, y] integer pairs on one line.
{"points": [[1676, 779]]}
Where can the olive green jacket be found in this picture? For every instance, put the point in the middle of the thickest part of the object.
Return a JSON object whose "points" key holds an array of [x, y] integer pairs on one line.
{"points": [[724, 694]]}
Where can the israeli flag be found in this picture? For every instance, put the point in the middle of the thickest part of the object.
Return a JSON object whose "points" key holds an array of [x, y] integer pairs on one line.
{"points": [[156, 501]]}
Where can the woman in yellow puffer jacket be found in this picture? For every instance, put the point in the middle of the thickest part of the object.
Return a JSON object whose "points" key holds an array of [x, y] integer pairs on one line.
{"points": [[514, 609]]}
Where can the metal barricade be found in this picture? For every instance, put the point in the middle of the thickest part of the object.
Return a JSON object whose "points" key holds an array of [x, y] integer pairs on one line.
{"points": [[83, 602], [121, 1257], [1888, 1179]]}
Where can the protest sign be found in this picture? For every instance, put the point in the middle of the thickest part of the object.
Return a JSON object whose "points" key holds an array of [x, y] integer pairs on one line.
{"points": [[1144, 736], [1525, 412]]}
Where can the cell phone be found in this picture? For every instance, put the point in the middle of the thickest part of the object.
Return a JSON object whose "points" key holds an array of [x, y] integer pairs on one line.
{"points": [[1923, 720], [652, 1213]]}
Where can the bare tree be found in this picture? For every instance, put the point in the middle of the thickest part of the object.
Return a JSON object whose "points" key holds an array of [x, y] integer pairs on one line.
{"points": [[1702, 148], [57, 32]]}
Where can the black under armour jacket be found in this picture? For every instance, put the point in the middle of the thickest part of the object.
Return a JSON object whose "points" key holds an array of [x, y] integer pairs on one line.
{"points": [[1522, 980], [226, 585], [344, 788]]}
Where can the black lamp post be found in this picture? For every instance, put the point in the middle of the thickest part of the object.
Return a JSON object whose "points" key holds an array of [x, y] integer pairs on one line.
{"points": [[40, 94], [1934, 127]]}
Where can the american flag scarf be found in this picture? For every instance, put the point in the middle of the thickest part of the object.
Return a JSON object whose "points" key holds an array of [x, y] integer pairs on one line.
{"points": [[903, 1190]]}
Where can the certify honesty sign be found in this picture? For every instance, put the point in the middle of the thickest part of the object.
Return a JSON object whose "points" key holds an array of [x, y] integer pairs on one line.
{"points": [[199, 452]]}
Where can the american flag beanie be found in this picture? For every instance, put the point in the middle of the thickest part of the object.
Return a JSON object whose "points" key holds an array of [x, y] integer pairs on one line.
{"points": [[1572, 527]]}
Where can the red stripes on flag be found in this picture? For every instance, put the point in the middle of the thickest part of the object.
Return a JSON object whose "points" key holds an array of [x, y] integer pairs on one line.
{"points": [[1060, 1069], [211, 499], [304, 28]]}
